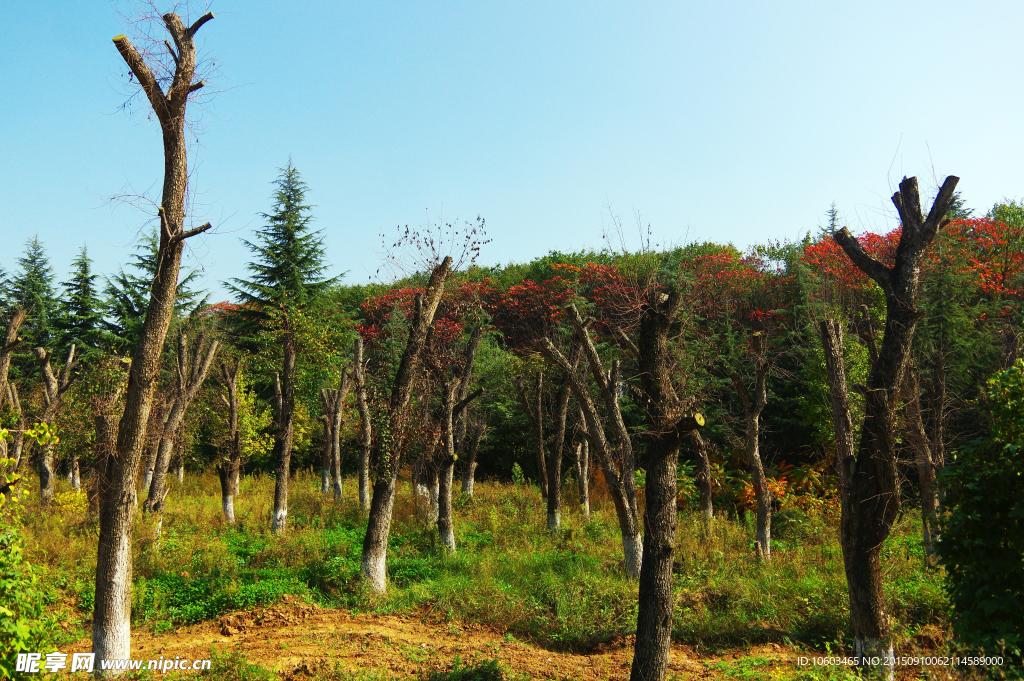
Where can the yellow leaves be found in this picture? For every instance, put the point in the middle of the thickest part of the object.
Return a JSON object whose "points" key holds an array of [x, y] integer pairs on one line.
{"points": [[44, 434]]}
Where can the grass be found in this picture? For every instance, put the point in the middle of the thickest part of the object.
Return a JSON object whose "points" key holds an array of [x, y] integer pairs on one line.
{"points": [[564, 592]]}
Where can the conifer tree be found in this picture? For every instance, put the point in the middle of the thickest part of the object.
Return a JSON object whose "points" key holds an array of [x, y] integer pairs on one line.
{"points": [[32, 289], [286, 278], [80, 318], [127, 295]]}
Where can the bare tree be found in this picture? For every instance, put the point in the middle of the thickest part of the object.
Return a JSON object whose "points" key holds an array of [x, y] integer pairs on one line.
{"points": [[54, 387], [872, 503], [469, 461], [11, 341], [386, 455], [192, 368], [111, 632]]}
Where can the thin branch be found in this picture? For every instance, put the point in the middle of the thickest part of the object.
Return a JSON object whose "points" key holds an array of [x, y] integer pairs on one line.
{"points": [[181, 236], [199, 23], [145, 77], [170, 49]]}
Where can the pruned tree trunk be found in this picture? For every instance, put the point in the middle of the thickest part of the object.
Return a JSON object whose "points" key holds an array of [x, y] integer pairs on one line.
{"points": [[228, 469], [926, 468], [872, 503], [10, 343], [111, 633], [284, 431], [17, 446], [366, 431], [554, 455], [667, 423], [753, 405], [387, 449], [334, 413], [54, 387], [192, 368]]}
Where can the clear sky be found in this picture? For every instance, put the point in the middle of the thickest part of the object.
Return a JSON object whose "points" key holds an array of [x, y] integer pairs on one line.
{"points": [[725, 121]]}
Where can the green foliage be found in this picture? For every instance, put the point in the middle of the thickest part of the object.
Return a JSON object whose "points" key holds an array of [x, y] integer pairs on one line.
{"points": [[32, 289], [484, 670], [24, 625], [80, 317], [233, 666], [982, 545]]}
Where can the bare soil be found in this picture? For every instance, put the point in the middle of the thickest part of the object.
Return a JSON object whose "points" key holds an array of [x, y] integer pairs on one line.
{"points": [[299, 639]]}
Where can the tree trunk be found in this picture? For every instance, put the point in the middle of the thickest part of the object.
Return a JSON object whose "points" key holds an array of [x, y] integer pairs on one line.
{"points": [[666, 423], [10, 343], [284, 432], [445, 525], [583, 476], [707, 506], [835, 371], [54, 387], [366, 433], [76, 473], [228, 474], [151, 458], [336, 480], [387, 451], [46, 474], [326, 458], [228, 470], [872, 503], [753, 405], [554, 457], [618, 466], [111, 620], [469, 462]]}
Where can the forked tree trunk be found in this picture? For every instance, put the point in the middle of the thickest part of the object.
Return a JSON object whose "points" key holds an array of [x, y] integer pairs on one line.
{"points": [[753, 405], [667, 423], [387, 449], [228, 470], [366, 431], [872, 503], [334, 413], [111, 633], [192, 369], [9, 393], [54, 387], [469, 463], [618, 463]]}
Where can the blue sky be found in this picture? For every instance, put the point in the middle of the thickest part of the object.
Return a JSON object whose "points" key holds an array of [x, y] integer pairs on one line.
{"points": [[730, 121]]}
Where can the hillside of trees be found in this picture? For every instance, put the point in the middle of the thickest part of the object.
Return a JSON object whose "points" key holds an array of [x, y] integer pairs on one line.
{"points": [[814, 443]]}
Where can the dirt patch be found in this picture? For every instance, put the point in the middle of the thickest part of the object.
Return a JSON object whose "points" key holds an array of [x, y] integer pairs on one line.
{"points": [[299, 639]]}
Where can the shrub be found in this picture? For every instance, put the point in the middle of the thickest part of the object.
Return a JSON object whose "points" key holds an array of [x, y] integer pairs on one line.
{"points": [[23, 627], [982, 545]]}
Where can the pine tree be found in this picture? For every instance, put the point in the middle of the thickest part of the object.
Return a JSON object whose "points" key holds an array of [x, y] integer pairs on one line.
{"points": [[127, 296], [286, 279], [32, 289], [80, 318]]}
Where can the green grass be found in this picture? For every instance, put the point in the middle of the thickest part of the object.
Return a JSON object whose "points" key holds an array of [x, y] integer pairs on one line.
{"points": [[565, 592]]}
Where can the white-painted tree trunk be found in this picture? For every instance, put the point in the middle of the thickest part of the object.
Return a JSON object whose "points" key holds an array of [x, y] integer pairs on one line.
{"points": [[875, 651], [633, 551], [181, 473], [555, 521]]}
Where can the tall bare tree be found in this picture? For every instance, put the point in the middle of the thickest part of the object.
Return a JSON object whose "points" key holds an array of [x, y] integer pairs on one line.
{"points": [[111, 631], [872, 503]]}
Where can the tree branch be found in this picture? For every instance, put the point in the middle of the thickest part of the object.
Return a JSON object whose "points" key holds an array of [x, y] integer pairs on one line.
{"points": [[181, 236], [195, 86], [464, 402], [146, 79], [199, 23], [174, 56], [864, 262]]}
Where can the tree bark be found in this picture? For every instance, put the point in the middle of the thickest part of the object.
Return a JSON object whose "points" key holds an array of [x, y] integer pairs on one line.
{"points": [[10, 343], [334, 413], [284, 431], [667, 422], [583, 476], [387, 450], [554, 455], [111, 634], [707, 504], [366, 432], [872, 503]]}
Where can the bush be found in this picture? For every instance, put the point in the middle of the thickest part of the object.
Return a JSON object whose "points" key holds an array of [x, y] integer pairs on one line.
{"points": [[982, 545], [23, 628]]}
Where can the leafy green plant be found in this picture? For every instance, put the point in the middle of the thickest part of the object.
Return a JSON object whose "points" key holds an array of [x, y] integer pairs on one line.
{"points": [[24, 626], [982, 545]]}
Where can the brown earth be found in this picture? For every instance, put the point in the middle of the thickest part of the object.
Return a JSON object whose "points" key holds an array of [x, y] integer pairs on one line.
{"points": [[299, 639]]}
